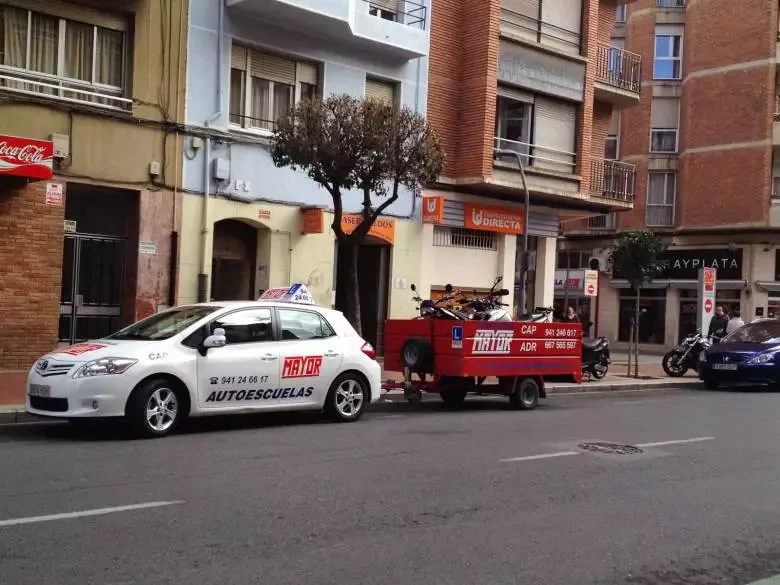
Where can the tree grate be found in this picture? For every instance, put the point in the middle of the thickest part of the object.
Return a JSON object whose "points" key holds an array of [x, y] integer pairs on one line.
{"points": [[611, 448]]}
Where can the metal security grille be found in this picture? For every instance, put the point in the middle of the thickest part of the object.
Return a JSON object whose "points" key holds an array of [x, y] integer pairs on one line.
{"points": [[454, 237]]}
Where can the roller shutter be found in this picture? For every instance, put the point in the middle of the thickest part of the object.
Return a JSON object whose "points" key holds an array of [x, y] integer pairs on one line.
{"points": [[664, 113], [527, 8], [389, 5], [382, 91], [562, 23], [272, 68], [307, 73], [555, 124], [238, 57]]}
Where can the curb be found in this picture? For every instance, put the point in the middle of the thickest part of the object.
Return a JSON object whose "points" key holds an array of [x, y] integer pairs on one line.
{"points": [[15, 414], [628, 385]]}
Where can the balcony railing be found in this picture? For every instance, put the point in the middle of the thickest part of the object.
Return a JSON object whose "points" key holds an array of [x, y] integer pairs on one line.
{"points": [[608, 221], [538, 157], [619, 68], [69, 90], [670, 3], [540, 31], [777, 109], [402, 11], [612, 179]]}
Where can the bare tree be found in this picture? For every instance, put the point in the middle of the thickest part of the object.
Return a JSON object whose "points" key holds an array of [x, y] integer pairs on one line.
{"points": [[344, 144]]}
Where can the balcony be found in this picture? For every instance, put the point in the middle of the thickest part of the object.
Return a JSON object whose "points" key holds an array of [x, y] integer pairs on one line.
{"points": [[618, 76], [539, 158], [607, 221], [397, 28], [613, 180], [524, 27]]}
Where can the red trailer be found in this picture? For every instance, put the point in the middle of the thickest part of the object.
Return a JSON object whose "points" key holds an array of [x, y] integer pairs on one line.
{"points": [[454, 358]]}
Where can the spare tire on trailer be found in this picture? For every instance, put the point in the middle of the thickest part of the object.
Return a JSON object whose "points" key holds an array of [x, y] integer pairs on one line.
{"points": [[417, 355]]}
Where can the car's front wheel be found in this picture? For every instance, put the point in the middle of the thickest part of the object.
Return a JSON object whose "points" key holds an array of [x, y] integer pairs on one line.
{"points": [[154, 409], [347, 398]]}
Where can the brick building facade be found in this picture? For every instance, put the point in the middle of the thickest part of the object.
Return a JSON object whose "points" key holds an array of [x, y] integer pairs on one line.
{"points": [[705, 146], [531, 82]]}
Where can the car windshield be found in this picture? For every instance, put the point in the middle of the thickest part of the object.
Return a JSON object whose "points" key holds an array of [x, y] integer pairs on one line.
{"points": [[760, 332], [164, 325]]}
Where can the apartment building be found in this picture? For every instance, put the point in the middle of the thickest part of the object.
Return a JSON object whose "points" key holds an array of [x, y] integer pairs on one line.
{"points": [[531, 84], [89, 93], [706, 146], [248, 226]]}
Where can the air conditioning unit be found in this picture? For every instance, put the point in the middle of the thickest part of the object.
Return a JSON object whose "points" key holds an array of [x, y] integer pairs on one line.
{"points": [[600, 262]]}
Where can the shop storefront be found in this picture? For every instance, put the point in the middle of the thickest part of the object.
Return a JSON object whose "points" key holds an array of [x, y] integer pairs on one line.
{"points": [[473, 243], [570, 292]]}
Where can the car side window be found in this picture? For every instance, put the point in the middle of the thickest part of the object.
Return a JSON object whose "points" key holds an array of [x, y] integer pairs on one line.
{"points": [[247, 326], [303, 325]]}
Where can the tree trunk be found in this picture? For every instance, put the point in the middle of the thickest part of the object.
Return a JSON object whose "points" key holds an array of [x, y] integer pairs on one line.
{"points": [[630, 346], [348, 290], [636, 332]]}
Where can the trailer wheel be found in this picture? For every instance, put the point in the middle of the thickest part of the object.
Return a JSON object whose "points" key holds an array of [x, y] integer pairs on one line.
{"points": [[453, 390], [525, 395], [417, 355]]}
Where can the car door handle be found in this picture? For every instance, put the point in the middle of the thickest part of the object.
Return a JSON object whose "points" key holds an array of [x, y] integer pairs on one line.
{"points": [[331, 353], [269, 357]]}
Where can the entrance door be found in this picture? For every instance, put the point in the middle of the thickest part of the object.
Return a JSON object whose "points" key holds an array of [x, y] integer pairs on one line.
{"points": [[91, 294]]}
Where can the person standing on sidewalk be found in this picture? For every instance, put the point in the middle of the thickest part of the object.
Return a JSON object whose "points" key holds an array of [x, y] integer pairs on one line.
{"points": [[718, 324], [571, 316], [735, 322]]}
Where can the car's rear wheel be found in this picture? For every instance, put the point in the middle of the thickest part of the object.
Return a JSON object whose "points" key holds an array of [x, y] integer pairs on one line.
{"points": [[525, 395], [154, 409], [347, 398]]}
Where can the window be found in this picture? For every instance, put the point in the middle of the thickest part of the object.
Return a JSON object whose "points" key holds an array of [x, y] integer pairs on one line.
{"points": [[775, 190], [661, 189], [456, 237], [164, 325], [385, 9], [620, 13], [611, 151], [383, 91], [664, 120], [63, 58], [247, 326], [607, 221], [668, 52], [573, 259], [513, 122], [303, 325], [263, 87]]}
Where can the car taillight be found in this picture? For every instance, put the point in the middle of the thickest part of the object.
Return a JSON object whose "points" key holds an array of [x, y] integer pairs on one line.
{"points": [[368, 349]]}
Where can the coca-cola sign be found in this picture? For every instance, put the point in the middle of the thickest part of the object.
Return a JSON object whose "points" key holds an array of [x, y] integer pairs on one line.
{"points": [[25, 157]]}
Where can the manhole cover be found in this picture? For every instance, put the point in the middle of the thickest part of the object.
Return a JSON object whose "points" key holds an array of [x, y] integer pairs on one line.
{"points": [[611, 448]]}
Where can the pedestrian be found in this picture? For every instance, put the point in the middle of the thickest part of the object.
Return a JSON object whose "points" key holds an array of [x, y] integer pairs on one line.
{"points": [[735, 322], [571, 316], [718, 323]]}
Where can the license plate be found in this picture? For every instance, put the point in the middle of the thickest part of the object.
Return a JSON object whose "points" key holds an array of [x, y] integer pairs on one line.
{"points": [[724, 366], [41, 390]]}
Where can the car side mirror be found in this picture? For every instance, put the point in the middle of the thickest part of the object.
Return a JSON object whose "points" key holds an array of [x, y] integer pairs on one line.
{"points": [[216, 339]]}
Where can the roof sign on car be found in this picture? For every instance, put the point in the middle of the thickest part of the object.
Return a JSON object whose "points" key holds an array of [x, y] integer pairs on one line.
{"points": [[297, 293]]}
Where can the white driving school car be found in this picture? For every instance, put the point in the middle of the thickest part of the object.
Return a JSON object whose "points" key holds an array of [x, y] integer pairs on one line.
{"points": [[212, 358]]}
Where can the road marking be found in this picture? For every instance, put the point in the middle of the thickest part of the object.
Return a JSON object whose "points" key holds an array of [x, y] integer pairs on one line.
{"points": [[95, 512], [542, 456], [770, 581], [678, 442]]}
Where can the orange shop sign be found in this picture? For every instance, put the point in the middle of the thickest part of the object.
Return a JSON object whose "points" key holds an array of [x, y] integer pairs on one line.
{"points": [[383, 228], [433, 209], [312, 220], [493, 219]]}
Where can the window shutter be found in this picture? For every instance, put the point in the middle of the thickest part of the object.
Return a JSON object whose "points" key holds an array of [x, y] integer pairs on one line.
{"points": [[272, 68], [614, 124], [389, 5], [565, 16], [527, 8], [380, 90], [555, 125], [307, 73], [673, 30], [238, 57], [618, 43], [516, 94], [664, 113]]}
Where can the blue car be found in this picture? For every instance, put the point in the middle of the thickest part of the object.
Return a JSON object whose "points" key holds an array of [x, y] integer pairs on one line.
{"points": [[751, 354]]}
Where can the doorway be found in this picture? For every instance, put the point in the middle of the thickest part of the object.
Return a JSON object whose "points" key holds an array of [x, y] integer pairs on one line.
{"points": [[95, 262], [233, 262]]}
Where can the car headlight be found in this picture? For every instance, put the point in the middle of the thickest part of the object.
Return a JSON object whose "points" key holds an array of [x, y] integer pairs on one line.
{"points": [[762, 359], [104, 367]]}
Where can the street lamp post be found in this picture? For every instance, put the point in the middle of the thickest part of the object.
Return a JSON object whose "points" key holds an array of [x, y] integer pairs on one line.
{"points": [[497, 152]]}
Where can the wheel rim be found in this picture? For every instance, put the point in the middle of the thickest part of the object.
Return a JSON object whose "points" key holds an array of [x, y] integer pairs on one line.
{"points": [[162, 409], [528, 394], [410, 355], [600, 369], [349, 398]]}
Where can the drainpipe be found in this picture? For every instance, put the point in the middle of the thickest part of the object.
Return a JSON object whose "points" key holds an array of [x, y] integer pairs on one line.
{"points": [[203, 279]]}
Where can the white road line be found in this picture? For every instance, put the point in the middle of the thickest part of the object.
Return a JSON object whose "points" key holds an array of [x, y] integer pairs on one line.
{"points": [[95, 512], [678, 442], [542, 456]]}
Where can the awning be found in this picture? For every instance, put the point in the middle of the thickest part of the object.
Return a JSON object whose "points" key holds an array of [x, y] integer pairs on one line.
{"points": [[768, 285], [723, 284], [620, 283]]}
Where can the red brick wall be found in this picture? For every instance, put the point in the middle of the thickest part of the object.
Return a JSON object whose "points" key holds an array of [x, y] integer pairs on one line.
{"points": [[590, 31], [602, 120], [31, 241]]}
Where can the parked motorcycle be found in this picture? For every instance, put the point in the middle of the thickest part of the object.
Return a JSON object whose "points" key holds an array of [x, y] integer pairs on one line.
{"points": [[489, 307], [685, 356], [430, 309], [595, 356]]}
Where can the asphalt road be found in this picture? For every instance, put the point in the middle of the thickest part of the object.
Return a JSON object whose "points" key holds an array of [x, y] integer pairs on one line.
{"points": [[406, 496]]}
